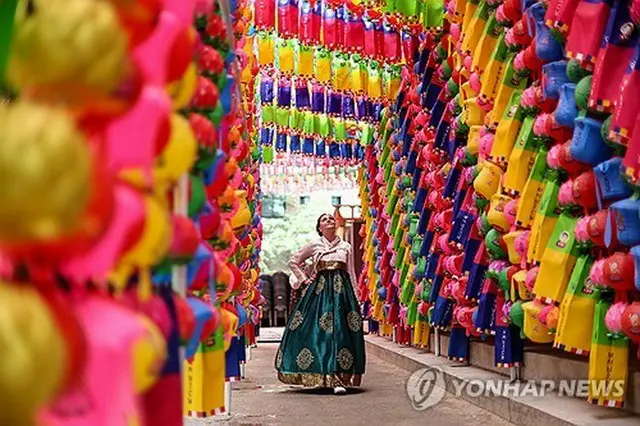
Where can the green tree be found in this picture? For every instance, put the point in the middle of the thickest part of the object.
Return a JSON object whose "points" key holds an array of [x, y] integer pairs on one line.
{"points": [[284, 236]]}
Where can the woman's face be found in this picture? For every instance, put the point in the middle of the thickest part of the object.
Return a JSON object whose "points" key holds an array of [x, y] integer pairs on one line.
{"points": [[327, 224]]}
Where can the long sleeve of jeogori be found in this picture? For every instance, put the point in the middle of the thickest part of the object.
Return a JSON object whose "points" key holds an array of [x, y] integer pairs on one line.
{"points": [[296, 263]]}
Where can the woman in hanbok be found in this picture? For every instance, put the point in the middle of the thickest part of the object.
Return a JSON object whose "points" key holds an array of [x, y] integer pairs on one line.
{"points": [[323, 343]]}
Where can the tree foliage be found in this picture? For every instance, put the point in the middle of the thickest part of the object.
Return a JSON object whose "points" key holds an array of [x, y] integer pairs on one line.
{"points": [[284, 236]]}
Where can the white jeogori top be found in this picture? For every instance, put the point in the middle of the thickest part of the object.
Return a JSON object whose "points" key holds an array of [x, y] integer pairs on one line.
{"points": [[318, 250]]}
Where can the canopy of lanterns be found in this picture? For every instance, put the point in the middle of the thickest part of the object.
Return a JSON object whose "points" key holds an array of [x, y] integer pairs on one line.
{"points": [[327, 68], [298, 176], [129, 209], [501, 189]]}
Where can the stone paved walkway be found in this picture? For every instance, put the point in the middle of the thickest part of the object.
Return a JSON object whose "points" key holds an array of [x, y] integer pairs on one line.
{"points": [[262, 400]]}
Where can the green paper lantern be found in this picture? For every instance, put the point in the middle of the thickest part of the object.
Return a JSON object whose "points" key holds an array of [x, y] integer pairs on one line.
{"points": [[297, 119], [446, 71], [222, 82], [256, 154], [426, 288], [618, 149], [462, 128], [201, 23], [517, 316], [485, 227], [452, 87], [468, 159], [198, 195], [433, 13], [406, 182], [503, 282], [575, 72], [604, 132], [421, 263], [408, 288], [322, 125], [476, 172], [283, 116], [267, 154], [7, 15], [268, 114], [492, 275], [412, 314], [339, 130], [481, 204], [164, 267], [205, 159], [457, 108], [308, 123], [401, 250], [416, 245], [583, 89], [217, 115], [494, 248]]}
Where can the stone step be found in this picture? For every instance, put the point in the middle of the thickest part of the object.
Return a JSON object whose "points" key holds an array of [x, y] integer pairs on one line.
{"points": [[270, 334], [549, 409]]}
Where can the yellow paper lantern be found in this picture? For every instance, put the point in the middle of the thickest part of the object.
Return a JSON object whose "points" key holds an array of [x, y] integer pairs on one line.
{"points": [[182, 90], [176, 159], [229, 327], [71, 50], [149, 250], [179, 154], [34, 360], [45, 170], [149, 356], [242, 218]]}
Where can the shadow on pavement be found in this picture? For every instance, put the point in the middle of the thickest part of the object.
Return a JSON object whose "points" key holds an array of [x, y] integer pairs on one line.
{"points": [[325, 391]]}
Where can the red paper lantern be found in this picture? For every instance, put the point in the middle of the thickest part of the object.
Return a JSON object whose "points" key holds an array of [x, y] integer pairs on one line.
{"points": [[181, 56], [216, 29], [204, 131], [210, 60], [206, 95], [423, 308], [209, 327], [96, 115], [631, 322], [185, 239], [236, 282], [242, 151], [584, 191], [618, 271], [219, 183], [265, 13], [568, 163], [185, 317], [139, 18], [210, 223]]}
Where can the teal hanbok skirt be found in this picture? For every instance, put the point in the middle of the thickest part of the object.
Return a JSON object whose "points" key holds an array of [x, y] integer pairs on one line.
{"points": [[323, 343]]}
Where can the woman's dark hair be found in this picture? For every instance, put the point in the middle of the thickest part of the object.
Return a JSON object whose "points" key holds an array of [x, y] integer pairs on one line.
{"points": [[318, 223]]}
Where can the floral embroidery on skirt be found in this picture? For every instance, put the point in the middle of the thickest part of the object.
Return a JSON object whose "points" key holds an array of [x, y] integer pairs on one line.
{"points": [[323, 344]]}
